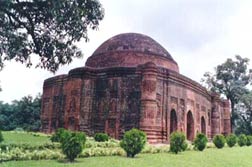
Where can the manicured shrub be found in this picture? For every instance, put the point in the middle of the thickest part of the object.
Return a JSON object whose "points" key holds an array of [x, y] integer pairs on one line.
{"points": [[249, 140], [59, 135], [101, 137], [107, 144], [98, 151], [17, 154], [177, 142], [242, 140], [231, 140], [1, 137], [133, 142], [200, 142], [219, 141], [29, 147], [72, 144]]}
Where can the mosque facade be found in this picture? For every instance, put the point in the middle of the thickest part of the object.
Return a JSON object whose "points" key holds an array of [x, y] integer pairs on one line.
{"points": [[131, 81]]}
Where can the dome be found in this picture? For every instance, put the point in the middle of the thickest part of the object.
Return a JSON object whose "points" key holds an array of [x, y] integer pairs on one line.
{"points": [[131, 50]]}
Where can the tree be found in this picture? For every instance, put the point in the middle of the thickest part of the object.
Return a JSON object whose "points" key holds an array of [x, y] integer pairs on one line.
{"points": [[6, 111], [24, 113], [47, 28], [230, 79], [243, 123], [1, 137]]}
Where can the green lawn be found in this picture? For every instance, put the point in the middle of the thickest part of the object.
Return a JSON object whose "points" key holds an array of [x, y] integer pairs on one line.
{"points": [[16, 137], [227, 157]]}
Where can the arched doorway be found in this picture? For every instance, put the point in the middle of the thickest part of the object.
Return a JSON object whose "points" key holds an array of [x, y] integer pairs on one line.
{"points": [[189, 126], [203, 125], [173, 121]]}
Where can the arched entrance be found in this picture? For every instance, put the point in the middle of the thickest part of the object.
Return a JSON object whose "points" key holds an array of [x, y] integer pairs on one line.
{"points": [[203, 125], [173, 121], [189, 126]]}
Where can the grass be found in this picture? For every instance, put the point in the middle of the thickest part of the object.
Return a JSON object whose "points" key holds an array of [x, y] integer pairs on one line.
{"points": [[20, 137], [211, 157], [226, 157]]}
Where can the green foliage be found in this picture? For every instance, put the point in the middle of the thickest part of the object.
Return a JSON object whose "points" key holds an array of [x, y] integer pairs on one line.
{"points": [[29, 147], [244, 114], [23, 114], [230, 79], [98, 151], [59, 135], [107, 144], [242, 140], [45, 28], [219, 141], [249, 140], [231, 140], [200, 142], [153, 149], [236, 157], [178, 142], [101, 137], [72, 144], [17, 154], [1, 137], [133, 142]]}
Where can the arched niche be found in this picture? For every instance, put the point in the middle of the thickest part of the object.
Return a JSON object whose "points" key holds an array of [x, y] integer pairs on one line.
{"points": [[173, 121], [189, 126], [203, 125]]}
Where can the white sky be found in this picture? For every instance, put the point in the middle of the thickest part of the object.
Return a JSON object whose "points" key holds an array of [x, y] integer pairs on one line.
{"points": [[199, 34]]}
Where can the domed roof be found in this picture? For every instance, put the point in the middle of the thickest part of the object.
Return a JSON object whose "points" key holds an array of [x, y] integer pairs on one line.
{"points": [[129, 49], [132, 42]]}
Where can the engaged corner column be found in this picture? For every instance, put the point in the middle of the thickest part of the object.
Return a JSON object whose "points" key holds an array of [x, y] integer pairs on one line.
{"points": [[148, 101]]}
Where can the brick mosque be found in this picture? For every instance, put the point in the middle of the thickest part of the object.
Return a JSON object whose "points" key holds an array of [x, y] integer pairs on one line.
{"points": [[131, 81]]}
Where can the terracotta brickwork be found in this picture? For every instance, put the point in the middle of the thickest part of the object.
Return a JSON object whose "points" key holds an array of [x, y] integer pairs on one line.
{"points": [[132, 81]]}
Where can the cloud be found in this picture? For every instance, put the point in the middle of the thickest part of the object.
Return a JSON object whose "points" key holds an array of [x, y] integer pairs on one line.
{"points": [[188, 24]]}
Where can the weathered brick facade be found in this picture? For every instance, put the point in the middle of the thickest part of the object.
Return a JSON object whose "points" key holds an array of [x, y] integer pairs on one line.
{"points": [[132, 81]]}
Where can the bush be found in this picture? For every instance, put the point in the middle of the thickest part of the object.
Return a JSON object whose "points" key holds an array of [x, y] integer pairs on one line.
{"points": [[98, 151], [200, 142], [133, 142], [72, 144], [107, 144], [231, 140], [177, 142], [219, 141], [1, 137], [28, 147], [242, 140], [59, 135], [249, 140], [101, 137], [17, 154]]}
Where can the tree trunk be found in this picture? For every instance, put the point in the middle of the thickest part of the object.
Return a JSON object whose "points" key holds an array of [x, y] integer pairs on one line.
{"points": [[232, 116]]}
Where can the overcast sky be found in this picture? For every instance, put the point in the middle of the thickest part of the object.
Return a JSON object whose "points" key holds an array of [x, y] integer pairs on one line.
{"points": [[199, 34]]}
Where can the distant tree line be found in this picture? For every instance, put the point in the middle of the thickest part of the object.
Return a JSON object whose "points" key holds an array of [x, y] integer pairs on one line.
{"points": [[23, 114]]}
